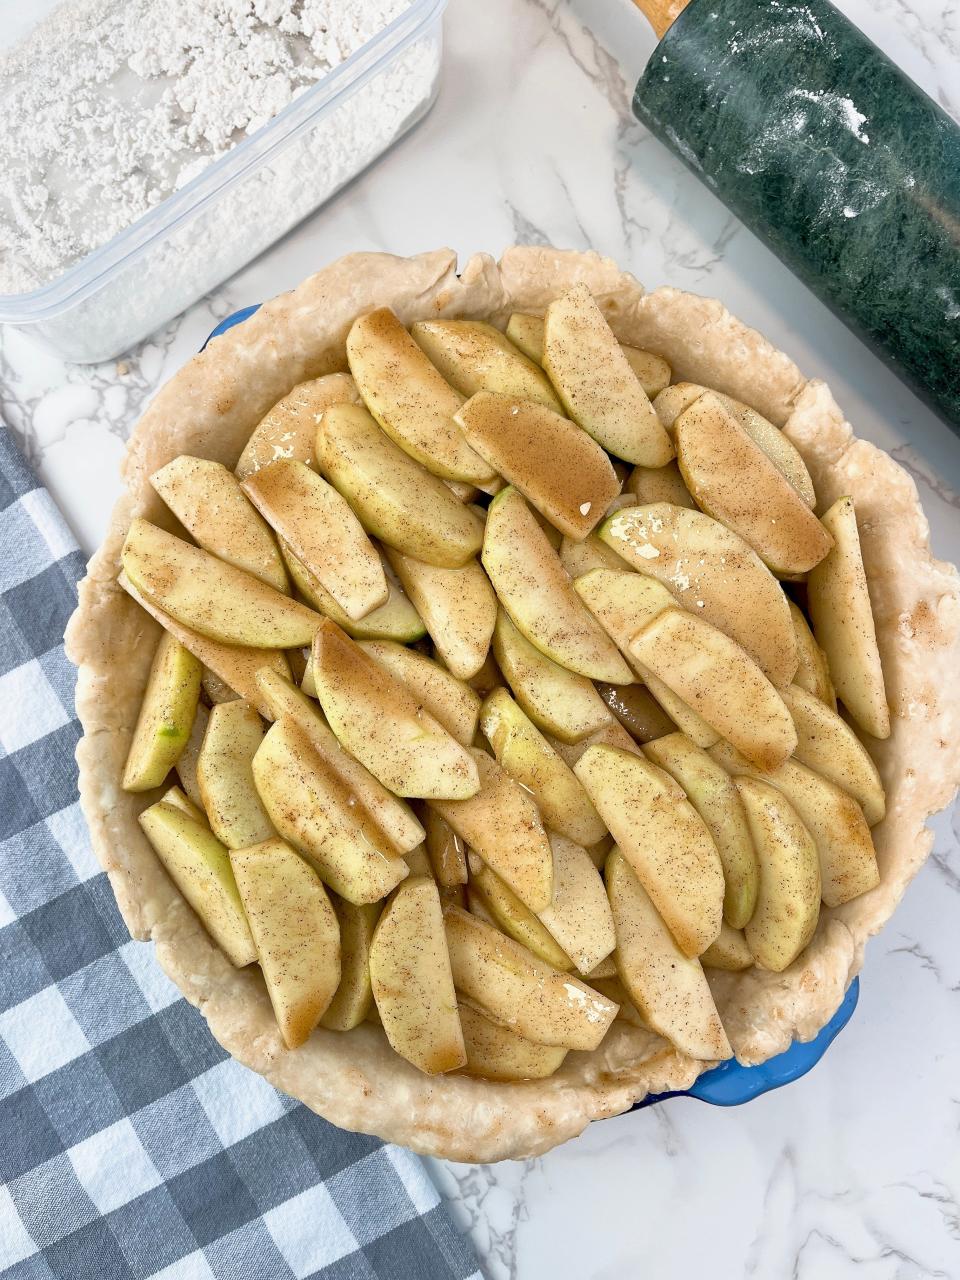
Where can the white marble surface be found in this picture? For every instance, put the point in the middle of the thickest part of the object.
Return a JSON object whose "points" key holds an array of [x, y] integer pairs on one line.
{"points": [[855, 1169]]}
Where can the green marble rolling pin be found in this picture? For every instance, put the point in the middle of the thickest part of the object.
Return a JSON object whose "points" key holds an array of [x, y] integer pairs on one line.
{"points": [[832, 156]]}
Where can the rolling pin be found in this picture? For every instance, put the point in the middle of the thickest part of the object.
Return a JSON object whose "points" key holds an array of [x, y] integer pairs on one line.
{"points": [[836, 160]]}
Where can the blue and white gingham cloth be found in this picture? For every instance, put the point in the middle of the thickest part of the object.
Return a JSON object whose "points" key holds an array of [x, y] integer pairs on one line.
{"points": [[131, 1145]]}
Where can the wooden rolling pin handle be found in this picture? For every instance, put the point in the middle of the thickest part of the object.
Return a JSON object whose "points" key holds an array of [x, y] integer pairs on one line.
{"points": [[661, 14]]}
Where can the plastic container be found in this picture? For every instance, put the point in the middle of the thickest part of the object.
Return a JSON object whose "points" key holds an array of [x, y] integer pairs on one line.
{"points": [[243, 202]]}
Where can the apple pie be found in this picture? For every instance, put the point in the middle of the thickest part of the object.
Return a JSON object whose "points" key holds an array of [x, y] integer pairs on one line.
{"points": [[507, 693]]}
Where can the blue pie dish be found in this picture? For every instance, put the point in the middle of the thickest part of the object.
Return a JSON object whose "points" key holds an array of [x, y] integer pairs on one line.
{"points": [[730, 1084]]}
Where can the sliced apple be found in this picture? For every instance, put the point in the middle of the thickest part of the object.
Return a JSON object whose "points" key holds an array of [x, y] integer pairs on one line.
{"points": [[418, 862], [681, 713], [199, 865], [622, 471], [410, 399], [653, 372], [236, 666], [187, 760], [813, 671], [664, 838], [536, 592], [778, 448], [613, 989], [848, 861], [450, 701], [637, 710], [488, 678], [675, 400], [555, 699], [660, 484], [353, 999], [730, 951], [296, 933], [211, 596], [523, 751], [225, 776], [394, 497], [606, 968], [313, 810], [555, 465], [553, 536], [465, 493], [446, 851], [289, 429], [621, 501], [598, 856], [504, 909], [452, 895], [827, 744], [526, 333], [477, 906], [714, 795], [767, 437], [215, 689], [579, 558], [298, 663], [379, 721], [497, 1053], [316, 523], [579, 915], [167, 713], [395, 619], [623, 602], [667, 986], [412, 982], [734, 481], [712, 572], [208, 501], [474, 356], [788, 904], [721, 682], [180, 800], [596, 384], [503, 824], [308, 685], [612, 734], [393, 817], [672, 401], [458, 607], [519, 991], [781, 451], [838, 599]]}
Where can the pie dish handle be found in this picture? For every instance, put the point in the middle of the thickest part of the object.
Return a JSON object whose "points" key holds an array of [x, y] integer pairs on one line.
{"points": [[730, 1084], [236, 317]]}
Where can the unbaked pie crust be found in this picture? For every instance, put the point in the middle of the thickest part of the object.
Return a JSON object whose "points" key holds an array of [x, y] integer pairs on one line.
{"points": [[210, 408]]}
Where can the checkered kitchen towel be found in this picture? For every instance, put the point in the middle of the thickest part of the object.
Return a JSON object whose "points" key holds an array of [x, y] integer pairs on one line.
{"points": [[131, 1145]]}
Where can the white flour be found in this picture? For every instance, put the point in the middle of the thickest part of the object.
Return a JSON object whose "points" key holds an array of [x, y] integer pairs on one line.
{"points": [[112, 105]]}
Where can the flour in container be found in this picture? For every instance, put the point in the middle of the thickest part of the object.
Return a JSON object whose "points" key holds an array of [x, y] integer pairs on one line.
{"points": [[110, 106]]}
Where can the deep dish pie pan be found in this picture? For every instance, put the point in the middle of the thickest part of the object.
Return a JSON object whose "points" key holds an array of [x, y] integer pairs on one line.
{"points": [[354, 1079]]}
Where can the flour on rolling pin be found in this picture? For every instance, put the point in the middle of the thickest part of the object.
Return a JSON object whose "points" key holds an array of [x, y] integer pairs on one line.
{"points": [[825, 149], [110, 106]]}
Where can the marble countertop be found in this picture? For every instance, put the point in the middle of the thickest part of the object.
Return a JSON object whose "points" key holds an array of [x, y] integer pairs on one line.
{"points": [[857, 1166]]}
